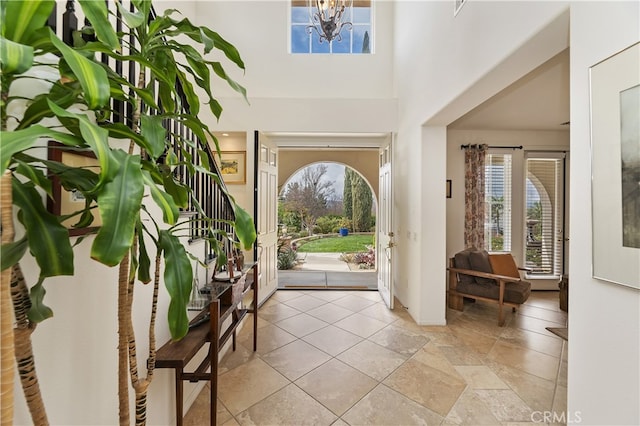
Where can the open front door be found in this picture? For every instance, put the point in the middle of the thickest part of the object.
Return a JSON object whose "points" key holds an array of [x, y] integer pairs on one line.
{"points": [[385, 226], [267, 211]]}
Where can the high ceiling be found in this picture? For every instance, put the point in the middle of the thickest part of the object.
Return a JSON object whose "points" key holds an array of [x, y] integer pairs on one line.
{"points": [[538, 101]]}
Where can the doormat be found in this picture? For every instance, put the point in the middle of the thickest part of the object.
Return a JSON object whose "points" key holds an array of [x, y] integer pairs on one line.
{"points": [[560, 332]]}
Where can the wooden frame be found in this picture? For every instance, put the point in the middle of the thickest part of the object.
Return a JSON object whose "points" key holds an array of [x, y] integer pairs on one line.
{"points": [[615, 167], [233, 166], [65, 202]]}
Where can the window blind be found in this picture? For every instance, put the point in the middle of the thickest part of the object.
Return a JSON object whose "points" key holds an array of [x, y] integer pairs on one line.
{"points": [[544, 219], [497, 226]]}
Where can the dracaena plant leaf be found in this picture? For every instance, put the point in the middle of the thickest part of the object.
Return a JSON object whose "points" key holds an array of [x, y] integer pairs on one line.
{"points": [[92, 77], [178, 278], [16, 58], [21, 140], [22, 18], [165, 201], [96, 12], [38, 311], [48, 239], [245, 228], [119, 205]]}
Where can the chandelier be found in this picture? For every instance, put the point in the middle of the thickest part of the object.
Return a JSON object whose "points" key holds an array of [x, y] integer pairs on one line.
{"points": [[327, 18]]}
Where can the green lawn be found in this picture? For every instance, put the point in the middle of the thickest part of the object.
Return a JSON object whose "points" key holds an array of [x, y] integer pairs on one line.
{"points": [[337, 244]]}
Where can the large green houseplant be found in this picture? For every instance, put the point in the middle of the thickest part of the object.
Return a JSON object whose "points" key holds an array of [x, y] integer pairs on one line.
{"points": [[78, 100]]}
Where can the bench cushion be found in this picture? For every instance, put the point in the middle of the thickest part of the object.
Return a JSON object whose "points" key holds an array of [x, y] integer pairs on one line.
{"points": [[479, 260], [503, 264], [513, 292], [461, 260]]}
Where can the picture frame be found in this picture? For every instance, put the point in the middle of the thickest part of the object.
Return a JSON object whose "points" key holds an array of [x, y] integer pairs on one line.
{"points": [[233, 166], [448, 188], [615, 167], [66, 202]]}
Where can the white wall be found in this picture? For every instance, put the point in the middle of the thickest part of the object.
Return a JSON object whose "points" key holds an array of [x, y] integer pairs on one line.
{"points": [[462, 62], [604, 318]]}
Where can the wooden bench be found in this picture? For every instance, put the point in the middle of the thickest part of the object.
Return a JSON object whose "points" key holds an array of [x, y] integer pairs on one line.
{"points": [[505, 287], [205, 328]]}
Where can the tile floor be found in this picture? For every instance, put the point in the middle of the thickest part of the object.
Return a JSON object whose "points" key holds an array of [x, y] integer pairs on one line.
{"points": [[341, 358]]}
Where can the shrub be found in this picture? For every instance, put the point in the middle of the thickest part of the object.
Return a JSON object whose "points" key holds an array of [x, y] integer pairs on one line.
{"points": [[327, 224], [287, 258]]}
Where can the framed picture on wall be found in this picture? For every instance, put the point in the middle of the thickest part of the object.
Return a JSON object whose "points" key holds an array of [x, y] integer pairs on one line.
{"points": [[615, 163], [68, 202], [233, 166]]}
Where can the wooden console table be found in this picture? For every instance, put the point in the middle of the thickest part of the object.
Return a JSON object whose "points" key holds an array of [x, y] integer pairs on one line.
{"points": [[206, 327]]}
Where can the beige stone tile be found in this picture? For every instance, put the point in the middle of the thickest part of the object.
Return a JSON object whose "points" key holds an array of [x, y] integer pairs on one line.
{"points": [[536, 392], [283, 295], [244, 386], [330, 295], [478, 342], [429, 387], [528, 360], [443, 337], [562, 373], [330, 313], [545, 343], [374, 296], [560, 400], [339, 422], [336, 385], [301, 324], [480, 377], [432, 356], [269, 338], [231, 422], [559, 317], [549, 300], [406, 322], [399, 340], [462, 355], [533, 324], [372, 359], [199, 412], [505, 404], [384, 406], [233, 359], [295, 359], [353, 303], [305, 302], [277, 312], [361, 325], [470, 410], [380, 312], [288, 406], [332, 340], [485, 326]]}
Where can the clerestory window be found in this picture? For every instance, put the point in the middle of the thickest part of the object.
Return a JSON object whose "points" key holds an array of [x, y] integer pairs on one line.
{"points": [[354, 39]]}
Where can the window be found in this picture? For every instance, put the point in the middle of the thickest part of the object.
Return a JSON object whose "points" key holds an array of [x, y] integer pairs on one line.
{"points": [[497, 196], [356, 40], [544, 214]]}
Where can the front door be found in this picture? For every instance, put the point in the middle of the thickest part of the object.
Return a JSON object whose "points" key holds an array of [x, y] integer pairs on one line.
{"points": [[267, 210], [385, 225]]}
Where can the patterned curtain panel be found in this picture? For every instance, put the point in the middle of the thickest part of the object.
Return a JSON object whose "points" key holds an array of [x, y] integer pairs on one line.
{"points": [[474, 196]]}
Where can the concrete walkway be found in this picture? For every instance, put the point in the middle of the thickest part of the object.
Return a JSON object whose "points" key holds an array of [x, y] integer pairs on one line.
{"points": [[326, 271]]}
